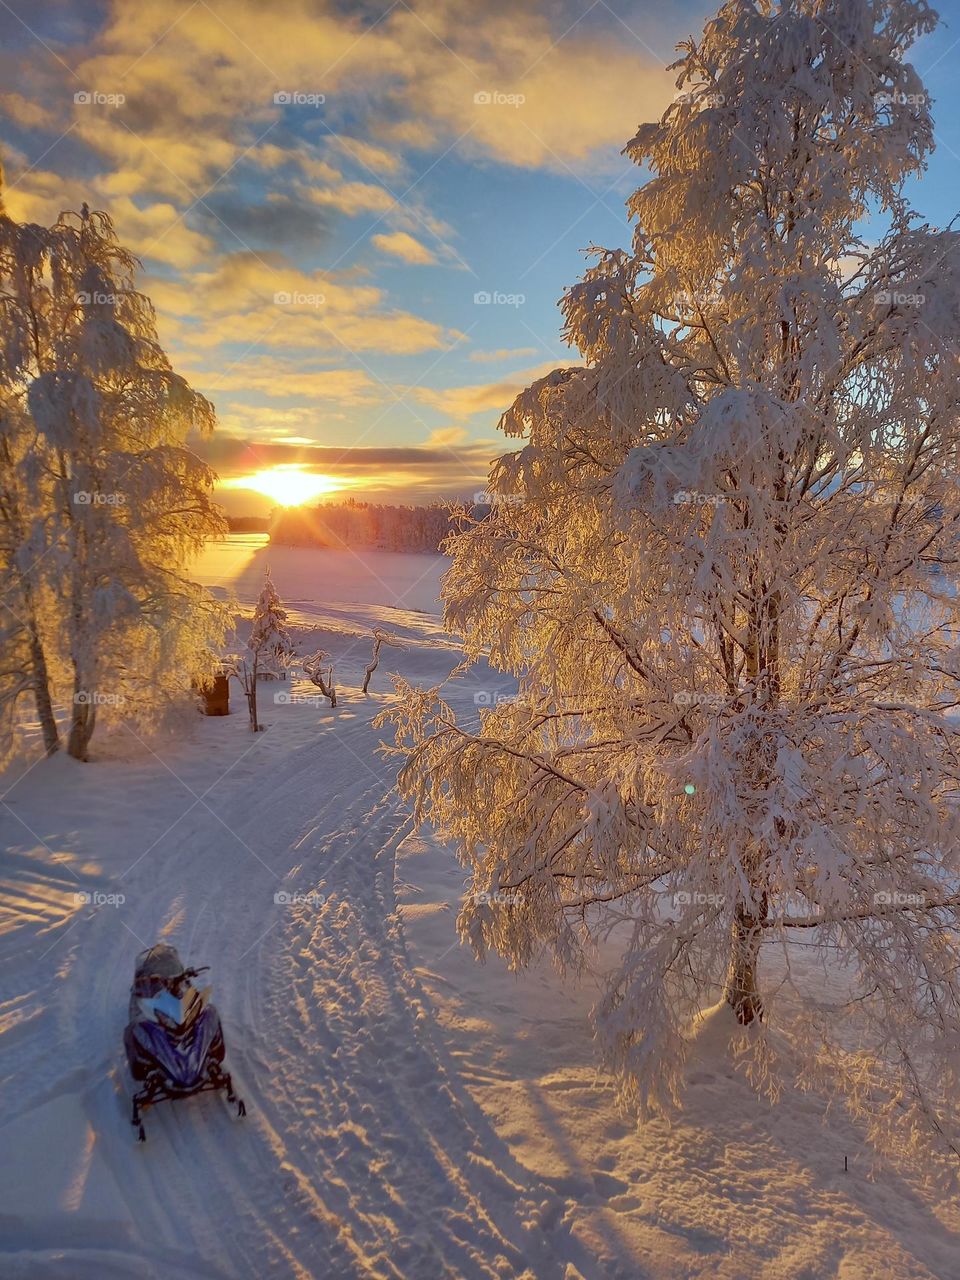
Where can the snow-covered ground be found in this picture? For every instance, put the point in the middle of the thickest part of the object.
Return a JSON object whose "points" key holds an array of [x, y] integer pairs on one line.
{"points": [[411, 1115]]}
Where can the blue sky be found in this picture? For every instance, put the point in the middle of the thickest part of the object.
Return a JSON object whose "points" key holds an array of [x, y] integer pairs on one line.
{"points": [[315, 264]]}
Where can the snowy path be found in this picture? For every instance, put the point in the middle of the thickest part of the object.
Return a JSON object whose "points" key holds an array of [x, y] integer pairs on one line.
{"points": [[360, 1155], [412, 1116]]}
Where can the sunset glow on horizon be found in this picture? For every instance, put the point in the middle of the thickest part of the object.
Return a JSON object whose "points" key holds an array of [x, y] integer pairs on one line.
{"points": [[289, 485]]}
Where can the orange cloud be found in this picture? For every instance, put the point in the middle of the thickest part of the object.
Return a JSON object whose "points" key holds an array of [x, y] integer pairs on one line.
{"points": [[502, 353], [268, 302], [406, 247], [487, 397]]}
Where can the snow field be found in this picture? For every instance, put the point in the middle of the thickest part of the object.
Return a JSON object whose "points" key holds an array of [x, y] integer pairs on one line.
{"points": [[411, 1114]]}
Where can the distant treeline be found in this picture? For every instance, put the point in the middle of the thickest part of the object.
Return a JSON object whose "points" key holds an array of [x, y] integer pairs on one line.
{"points": [[362, 524], [248, 524]]}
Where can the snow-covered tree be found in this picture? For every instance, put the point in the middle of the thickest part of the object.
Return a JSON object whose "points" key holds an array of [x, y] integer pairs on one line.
{"points": [[25, 596], [320, 675], [104, 503], [26, 666], [724, 579], [270, 646], [380, 638]]}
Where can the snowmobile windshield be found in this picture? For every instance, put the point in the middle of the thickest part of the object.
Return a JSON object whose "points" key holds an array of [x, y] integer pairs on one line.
{"points": [[160, 961], [171, 1011]]}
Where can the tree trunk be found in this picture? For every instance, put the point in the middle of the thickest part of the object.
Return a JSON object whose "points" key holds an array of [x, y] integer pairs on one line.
{"points": [[38, 659], [83, 713], [41, 691], [741, 992], [82, 723], [374, 663], [252, 695]]}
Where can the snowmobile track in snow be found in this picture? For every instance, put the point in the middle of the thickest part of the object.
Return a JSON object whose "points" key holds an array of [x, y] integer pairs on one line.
{"points": [[362, 1154]]}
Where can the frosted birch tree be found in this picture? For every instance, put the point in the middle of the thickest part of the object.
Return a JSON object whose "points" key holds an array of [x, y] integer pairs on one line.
{"points": [[25, 595], [24, 598], [270, 646], [103, 502], [723, 574]]}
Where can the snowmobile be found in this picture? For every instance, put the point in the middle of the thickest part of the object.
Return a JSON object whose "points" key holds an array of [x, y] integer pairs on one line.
{"points": [[173, 1039]]}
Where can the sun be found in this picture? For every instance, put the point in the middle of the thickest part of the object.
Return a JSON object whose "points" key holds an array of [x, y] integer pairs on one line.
{"points": [[288, 484]]}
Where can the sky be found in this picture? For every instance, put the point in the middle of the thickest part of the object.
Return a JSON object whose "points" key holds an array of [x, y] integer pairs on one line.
{"points": [[356, 221]]}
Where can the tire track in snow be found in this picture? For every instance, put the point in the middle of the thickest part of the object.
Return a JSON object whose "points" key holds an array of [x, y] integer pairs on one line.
{"points": [[388, 1114]]}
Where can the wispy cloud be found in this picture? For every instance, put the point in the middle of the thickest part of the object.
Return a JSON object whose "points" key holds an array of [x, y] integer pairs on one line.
{"points": [[406, 247], [280, 172]]}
